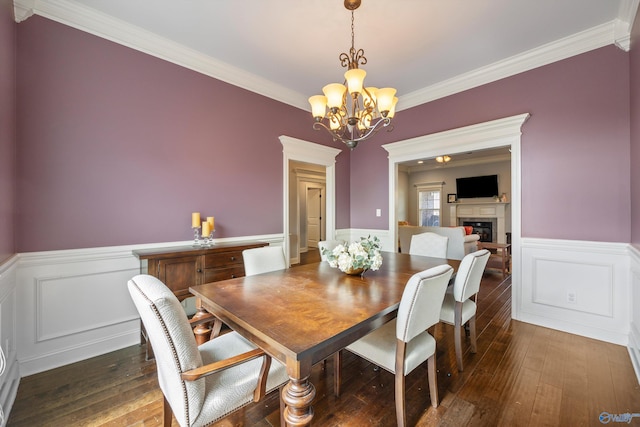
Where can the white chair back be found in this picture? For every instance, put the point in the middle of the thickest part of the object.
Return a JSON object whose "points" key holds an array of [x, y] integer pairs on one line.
{"points": [[429, 244], [469, 275], [173, 343], [263, 260], [421, 302], [328, 245]]}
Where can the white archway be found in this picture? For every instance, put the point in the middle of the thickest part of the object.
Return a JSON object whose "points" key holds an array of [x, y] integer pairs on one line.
{"points": [[493, 134]]}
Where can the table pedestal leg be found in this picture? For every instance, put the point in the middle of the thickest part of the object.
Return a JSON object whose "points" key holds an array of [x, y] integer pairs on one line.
{"points": [[298, 395], [203, 330]]}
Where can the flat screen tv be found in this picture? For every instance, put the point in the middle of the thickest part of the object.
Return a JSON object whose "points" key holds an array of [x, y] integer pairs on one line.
{"points": [[477, 186]]}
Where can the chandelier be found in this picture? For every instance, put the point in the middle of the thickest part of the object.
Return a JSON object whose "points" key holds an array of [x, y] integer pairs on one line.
{"points": [[353, 112]]}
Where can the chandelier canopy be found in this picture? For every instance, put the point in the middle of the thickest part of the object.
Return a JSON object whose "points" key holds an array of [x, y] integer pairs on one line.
{"points": [[351, 112]]}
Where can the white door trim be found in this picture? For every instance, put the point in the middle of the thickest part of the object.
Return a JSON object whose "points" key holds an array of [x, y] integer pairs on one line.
{"points": [[492, 134], [309, 152]]}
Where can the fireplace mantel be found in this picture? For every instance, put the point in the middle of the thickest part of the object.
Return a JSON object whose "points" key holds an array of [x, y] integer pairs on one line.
{"points": [[491, 210]]}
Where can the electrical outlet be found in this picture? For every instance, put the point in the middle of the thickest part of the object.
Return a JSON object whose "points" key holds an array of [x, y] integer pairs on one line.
{"points": [[571, 297], [378, 212]]}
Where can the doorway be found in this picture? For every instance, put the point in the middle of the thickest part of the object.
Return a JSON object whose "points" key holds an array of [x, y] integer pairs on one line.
{"points": [[504, 132], [318, 156]]}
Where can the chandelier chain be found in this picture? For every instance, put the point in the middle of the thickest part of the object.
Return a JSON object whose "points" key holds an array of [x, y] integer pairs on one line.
{"points": [[353, 37]]}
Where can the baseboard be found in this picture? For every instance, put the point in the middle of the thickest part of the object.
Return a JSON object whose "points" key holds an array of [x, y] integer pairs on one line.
{"points": [[81, 351]]}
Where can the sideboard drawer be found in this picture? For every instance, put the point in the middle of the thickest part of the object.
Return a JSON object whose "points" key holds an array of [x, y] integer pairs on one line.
{"points": [[216, 274], [223, 259]]}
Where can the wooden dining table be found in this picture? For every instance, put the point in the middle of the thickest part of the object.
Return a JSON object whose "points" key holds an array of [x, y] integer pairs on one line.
{"points": [[304, 314]]}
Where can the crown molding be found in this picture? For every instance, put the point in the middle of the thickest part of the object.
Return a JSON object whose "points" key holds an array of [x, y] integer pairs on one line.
{"points": [[576, 44], [23, 9], [624, 23], [99, 24], [89, 20]]}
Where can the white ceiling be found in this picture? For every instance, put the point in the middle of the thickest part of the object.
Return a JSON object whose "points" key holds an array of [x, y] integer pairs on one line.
{"points": [[288, 49]]}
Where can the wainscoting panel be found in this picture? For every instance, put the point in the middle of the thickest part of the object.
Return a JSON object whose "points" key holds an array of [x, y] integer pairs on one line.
{"points": [[577, 287], [60, 314], [9, 372], [595, 283], [74, 304]]}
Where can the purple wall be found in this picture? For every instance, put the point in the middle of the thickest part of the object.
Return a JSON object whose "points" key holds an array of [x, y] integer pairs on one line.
{"points": [[635, 131], [575, 146], [7, 128], [118, 147]]}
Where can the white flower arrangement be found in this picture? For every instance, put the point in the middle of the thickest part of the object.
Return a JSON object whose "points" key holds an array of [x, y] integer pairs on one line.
{"points": [[357, 257]]}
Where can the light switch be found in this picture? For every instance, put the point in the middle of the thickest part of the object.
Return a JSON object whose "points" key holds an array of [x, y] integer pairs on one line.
{"points": [[378, 212]]}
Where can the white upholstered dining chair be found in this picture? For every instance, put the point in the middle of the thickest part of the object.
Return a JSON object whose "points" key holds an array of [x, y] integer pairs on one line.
{"points": [[263, 260], [200, 384], [459, 306], [401, 345], [328, 245], [429, 244]]}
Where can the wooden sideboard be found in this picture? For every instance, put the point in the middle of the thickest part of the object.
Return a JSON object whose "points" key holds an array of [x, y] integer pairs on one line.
{"points": [[183, 266]]}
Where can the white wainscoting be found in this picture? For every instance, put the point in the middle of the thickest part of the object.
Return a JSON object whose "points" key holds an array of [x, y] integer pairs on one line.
{"points": [[74, 304], [9, 370], [634, 330], [354, 235], [578, 287]]}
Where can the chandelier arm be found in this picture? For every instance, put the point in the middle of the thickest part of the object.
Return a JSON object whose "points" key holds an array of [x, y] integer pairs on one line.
{"points": [[352, 142]]}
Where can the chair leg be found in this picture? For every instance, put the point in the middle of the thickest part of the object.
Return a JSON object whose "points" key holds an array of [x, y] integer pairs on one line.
{"points": [[457, 334], [433, 380], [401, 415], [167, 414], [472, 334], [337, 369]]}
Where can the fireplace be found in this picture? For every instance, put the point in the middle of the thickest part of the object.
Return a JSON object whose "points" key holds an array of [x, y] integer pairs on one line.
{"points": [[482, 228]]}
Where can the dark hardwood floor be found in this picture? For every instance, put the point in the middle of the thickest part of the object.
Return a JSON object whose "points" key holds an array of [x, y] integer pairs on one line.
{"points": [[521, 375]]}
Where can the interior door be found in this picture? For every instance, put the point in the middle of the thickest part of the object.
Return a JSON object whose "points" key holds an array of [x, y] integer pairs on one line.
{"points": [[314, 216]]}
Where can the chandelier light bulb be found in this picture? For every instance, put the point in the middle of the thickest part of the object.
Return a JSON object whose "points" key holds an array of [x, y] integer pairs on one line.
{"points": [[355, 80], [318, 106], [334, 93], [385, 99]]}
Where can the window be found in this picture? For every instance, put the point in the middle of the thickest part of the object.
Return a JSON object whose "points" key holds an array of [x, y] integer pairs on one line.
{"points": [[429, 205]]}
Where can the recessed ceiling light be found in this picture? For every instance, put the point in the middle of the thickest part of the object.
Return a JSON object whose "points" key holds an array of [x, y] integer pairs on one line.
{"points": [[420, 162]]}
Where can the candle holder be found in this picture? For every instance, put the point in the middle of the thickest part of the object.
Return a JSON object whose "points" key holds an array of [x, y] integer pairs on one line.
{"points": [[208, 240], [196, 236]]}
